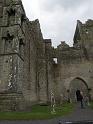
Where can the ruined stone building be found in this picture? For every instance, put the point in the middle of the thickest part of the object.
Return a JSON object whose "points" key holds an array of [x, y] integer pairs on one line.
{"points": [[31, 69]]}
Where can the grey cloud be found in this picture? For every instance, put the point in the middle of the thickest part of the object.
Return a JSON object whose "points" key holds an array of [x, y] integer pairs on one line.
{"points": [[58, 17], [49, 5]]}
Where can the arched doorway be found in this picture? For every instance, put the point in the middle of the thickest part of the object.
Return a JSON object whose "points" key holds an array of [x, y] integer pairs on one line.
{"points": [[77, 84]]}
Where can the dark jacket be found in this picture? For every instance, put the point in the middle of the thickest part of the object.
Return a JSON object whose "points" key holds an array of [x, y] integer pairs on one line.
{"points": [[79, 95]]}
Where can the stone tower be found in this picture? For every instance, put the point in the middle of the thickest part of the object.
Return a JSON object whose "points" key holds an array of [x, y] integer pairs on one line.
{"points": [[11, 47]]}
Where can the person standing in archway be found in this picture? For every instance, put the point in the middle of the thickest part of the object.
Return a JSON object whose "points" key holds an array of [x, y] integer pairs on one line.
{"points": [[79, 95], [82, 99]]}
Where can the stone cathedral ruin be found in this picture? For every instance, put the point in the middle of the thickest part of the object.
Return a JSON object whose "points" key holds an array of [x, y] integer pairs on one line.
{"points": [[28, 72]]}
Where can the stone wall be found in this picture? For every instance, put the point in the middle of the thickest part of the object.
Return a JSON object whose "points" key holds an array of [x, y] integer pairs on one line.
{"points": [[66, 73]]}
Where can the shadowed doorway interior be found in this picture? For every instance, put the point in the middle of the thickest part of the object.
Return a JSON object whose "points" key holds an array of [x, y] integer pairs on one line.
{"points": [[77, 84]]}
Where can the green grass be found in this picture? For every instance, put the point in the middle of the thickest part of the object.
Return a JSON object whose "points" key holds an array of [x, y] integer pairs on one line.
{"points": [[91, 105], [38, 113]]}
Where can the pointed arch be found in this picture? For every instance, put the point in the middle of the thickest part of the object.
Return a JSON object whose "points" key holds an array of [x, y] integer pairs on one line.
{"points": [[82, 80], [77, 83]]}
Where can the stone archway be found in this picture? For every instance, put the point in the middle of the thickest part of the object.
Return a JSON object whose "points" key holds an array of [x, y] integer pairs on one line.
{"points": [[77, 84]]}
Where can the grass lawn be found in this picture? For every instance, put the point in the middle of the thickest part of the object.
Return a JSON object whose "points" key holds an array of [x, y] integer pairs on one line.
{"points": [[38, 113]]}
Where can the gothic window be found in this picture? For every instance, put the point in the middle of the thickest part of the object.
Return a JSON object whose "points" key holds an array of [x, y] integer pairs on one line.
{"points": [[22, 18], [21, 42], [86, 31], [55, 60], [9, 36], [11, 12], [11, 15], [8, 42], [21, 47]]}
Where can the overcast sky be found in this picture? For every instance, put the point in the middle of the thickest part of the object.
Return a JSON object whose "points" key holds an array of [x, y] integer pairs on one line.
{"points": [[58, 18]]}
